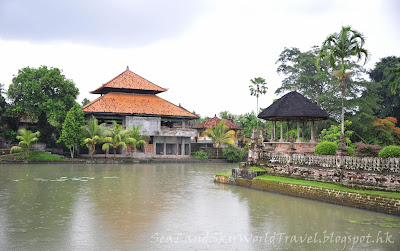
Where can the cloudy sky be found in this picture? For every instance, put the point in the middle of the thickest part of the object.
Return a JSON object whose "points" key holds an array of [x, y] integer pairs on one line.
{"points": [[204, 51]]}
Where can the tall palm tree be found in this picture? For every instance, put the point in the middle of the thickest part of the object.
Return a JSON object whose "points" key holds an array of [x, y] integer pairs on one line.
{"points": [[113, 138], [94, 133], [394, 78], [339, 47], [26, 138], [220, 135], [257, 88], [134, 139]]}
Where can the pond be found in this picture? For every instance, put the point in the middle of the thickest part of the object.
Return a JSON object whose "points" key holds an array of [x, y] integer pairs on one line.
{"points": [[171, 207]]}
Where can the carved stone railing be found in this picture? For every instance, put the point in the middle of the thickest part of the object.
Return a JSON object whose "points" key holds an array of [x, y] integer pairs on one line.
{"points": [[368, 164]]}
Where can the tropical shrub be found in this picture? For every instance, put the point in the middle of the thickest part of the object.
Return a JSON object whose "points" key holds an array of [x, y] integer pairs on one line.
{"points": [[386, 132], [326, 148], [334, 132], [390, 152], [366, 150], [350, 151], [200, 155], [26, 139], [233, 154]]}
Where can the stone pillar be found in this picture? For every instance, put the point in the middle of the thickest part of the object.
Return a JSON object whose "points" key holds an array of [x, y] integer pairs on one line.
{"points": [[312, 132], [165, 146], [183, 146], [281, 138], [183, 124], [272, 131], [275, 131], [154, 146], [287, 131], [302, 133], [298, 132]]}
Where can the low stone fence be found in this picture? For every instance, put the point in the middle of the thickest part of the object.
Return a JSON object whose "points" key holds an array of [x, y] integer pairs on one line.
{"points": [[356, 172], [369, 164]]}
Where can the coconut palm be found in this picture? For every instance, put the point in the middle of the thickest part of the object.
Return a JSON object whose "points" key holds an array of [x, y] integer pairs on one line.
{"points": [[113, 138], [220, 135], [26, 138], [94, 133], [394, 78], [339, 47], [134, 139], [257, 88]]}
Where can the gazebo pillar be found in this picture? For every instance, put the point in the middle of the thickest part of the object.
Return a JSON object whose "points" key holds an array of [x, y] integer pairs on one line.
{"points": [[272, 131], [298, 132], [302, 133], [312, 132], [281, 138], [287, 131]]}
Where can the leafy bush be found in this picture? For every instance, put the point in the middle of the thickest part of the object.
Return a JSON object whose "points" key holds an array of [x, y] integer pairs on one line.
{"points": [[233, 154], [350, 151], [200, 155], [390, 152], [326, 148], [366, 150], [333, 133]]}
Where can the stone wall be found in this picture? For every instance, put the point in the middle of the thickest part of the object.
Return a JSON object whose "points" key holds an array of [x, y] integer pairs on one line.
{"points": [[363, 201], [369, 164]]}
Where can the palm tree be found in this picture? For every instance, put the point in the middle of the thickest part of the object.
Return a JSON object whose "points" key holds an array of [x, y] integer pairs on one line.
{"points": [[394, 78], [94, 133], [257, 88], [26, 138], [113, 138], [338, 47], [134, 139], [220, 135]]}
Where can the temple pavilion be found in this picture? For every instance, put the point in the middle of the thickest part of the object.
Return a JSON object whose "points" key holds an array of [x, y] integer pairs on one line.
{"points": [[210, 123], [130, 100], [292, 108]]}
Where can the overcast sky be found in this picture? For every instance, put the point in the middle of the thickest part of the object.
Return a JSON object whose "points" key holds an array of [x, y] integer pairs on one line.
{"points": [[205, 52]]}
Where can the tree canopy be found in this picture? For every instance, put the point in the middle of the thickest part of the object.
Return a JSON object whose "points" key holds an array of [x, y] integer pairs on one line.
{"points": [[43, 94]]}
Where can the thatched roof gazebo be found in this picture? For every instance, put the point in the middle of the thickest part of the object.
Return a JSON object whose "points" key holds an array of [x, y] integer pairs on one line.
{"points": [[297, 108]]}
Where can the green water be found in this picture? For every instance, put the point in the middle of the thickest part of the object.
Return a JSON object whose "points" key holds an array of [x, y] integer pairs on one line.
{"points": [[171, 207]]}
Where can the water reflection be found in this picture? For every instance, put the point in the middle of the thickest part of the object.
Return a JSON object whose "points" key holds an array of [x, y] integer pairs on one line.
{"points": [[163, 207]]}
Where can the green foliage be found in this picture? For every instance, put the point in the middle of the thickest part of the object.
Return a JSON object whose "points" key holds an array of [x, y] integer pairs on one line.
{"points": [[233, 154], [26, 139], [93, 133], [8, 121], [34, 156], [85, 101], [72, 133], [338, 48], [200, 155], [220, 135], [44, 95], [134, 138], [326, 148], [350, 151], [367, 150], [390, 152], [113, 138], [333, 133]]}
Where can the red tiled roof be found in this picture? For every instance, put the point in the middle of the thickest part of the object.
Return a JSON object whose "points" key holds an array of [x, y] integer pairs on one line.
{"points": [[137, 104], [129, 82], [211, 122]]}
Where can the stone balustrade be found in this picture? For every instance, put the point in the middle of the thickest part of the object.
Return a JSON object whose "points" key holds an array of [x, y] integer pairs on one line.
{"points": [[367, 164]]}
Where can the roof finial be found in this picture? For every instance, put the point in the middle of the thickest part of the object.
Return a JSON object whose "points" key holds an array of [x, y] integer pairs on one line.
{"points": [[127, 67], [294, 88]]}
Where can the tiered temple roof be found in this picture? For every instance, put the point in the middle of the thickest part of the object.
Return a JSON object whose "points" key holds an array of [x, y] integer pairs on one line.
{"points": [[130, 94]]}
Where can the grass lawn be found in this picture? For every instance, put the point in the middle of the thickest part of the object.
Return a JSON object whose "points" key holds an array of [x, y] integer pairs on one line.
{"points": [[256, 169], [224, 174], [327, 185], [33, 156]]}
